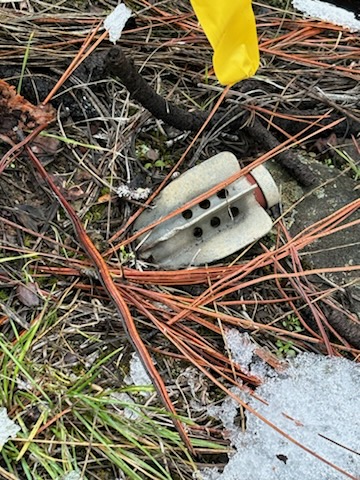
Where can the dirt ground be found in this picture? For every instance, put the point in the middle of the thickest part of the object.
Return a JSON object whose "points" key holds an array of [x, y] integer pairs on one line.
{"points": [[117, 129]]}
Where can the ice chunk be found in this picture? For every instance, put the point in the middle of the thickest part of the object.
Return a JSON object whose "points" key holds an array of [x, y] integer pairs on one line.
{"points": [[74, 475], [8, 428], [123, 397], [242, 351], [241, 347], [137, 373], [329, 13], [124, 191], [226, 412], [322, 396], [115, 22]]}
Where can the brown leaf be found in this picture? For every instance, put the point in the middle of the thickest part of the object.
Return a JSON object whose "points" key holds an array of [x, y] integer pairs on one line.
{"points": [[323, 144], [27, 294], [42, 145], [16, 110], [30, 216], [152, 155], [74, 193]]}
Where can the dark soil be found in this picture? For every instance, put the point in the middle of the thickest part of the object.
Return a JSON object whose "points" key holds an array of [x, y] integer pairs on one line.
{"points": [[125, 117]]}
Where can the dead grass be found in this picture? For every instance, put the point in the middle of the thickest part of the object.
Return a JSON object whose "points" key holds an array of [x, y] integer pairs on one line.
{"points": [[61, 372]]}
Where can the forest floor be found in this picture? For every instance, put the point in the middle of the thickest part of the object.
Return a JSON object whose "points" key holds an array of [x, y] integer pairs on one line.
{"points": [[70, 273]]}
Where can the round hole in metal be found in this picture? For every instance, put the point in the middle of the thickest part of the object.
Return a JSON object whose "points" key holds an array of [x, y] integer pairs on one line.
{"points": [[222, 193], [205, 204], [187, 214], [197, 232], [234, 212], [215, 222]]}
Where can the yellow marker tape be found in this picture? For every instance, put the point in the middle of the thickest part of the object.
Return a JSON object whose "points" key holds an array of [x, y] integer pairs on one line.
{"points": [[231, 30]]}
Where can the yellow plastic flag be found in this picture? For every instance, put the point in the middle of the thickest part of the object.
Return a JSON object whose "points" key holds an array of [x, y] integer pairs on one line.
{"points": [[231, 30]]}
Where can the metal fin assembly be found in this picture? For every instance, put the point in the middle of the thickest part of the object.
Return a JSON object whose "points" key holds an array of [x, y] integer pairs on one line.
{"points": [[216, 227]]}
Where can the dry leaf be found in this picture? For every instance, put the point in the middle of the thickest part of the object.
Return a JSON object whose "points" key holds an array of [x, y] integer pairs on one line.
{"points": [[27, 294], [17, 111]]}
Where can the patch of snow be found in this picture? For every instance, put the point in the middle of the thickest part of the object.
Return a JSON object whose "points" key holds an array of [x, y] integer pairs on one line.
{"points": [[137, 374], [8, 428], [328, 12], [115, 22], [321, 394]]}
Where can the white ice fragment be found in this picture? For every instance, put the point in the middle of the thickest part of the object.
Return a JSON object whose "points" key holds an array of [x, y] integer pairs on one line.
{"points": [[137, 373], [115, 22], [227, 411], [243, 353], [125, 398], [24, 385], [241, 347], [8, 429], [91, 359], [74, 475], [322, 394], [329, 13], [124, 191]]}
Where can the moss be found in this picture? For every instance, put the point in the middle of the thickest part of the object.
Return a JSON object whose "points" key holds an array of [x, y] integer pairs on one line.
{"points": [[96, 213], [3, 295]]}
